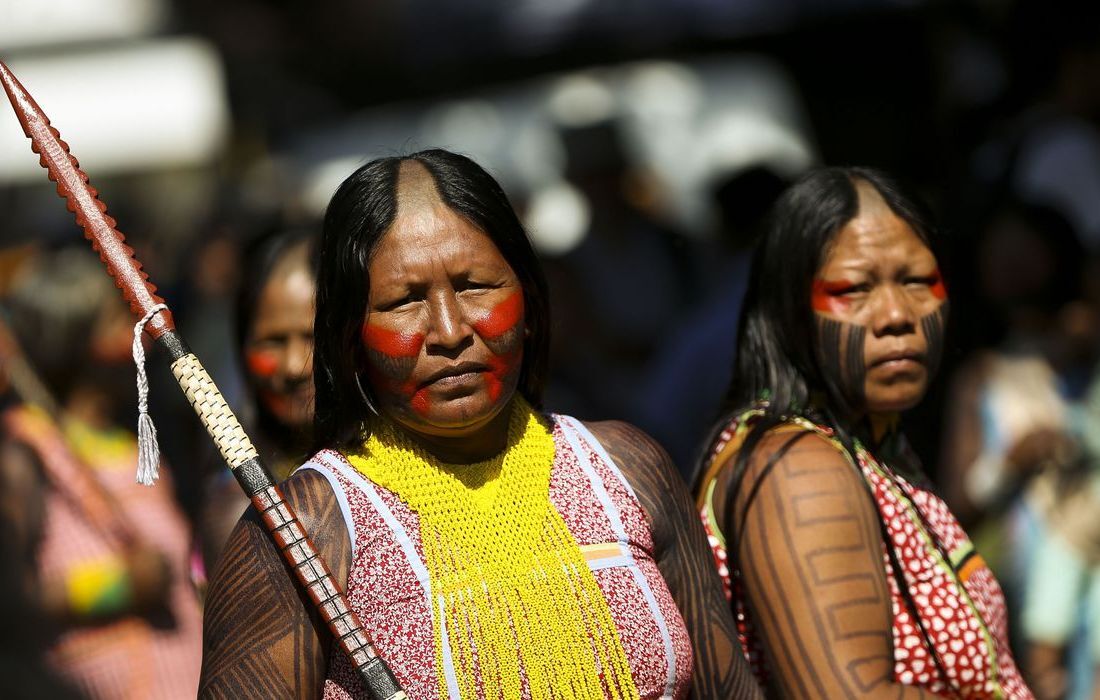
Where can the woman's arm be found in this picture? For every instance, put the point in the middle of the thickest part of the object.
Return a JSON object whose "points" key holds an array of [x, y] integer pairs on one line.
{"points": [[261, 635], [811, 556], [685, 561]]}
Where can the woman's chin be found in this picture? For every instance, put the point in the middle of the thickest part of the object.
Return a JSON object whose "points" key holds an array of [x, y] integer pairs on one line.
{"points": [[894, 401], [451, 416]]}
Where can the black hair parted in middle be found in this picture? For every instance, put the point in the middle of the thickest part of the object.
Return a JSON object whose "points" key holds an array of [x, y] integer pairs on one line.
{"points": [[776, 337], [358, 216]]}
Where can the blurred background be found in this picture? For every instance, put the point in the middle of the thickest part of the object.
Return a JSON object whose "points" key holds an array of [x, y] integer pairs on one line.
{"points": [[641, 141]]}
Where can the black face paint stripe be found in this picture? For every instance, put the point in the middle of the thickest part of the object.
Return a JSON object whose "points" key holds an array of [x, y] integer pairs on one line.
{"points": [[855, 368], [844, 362], [395, 368], [933, 327]]}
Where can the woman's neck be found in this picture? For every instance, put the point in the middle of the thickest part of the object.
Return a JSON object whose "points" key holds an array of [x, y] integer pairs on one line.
{"points": [[481, 444], [880, 426]]}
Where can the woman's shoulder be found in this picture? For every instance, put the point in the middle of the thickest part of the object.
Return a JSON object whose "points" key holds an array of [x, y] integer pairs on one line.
{"points": [[310, 493], [794, 438], [631, 447]]}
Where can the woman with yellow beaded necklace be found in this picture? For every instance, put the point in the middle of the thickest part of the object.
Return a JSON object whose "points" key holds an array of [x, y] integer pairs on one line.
{"points": [[492, 551]]}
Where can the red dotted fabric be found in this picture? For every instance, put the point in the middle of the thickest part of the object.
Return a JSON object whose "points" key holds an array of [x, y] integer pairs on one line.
{"points": [[962, 612]]}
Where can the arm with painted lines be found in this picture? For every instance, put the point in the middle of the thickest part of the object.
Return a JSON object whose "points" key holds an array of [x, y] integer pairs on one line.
{"points": [[811, 557], [262, 638], [685, 561]]}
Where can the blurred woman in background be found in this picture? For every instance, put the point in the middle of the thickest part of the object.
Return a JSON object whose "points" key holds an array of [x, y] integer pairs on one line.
{"points": [[274, 334], [114, 580]]}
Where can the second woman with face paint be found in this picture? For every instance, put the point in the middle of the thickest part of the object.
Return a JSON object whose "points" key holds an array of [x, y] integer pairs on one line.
{"points": [[848, 576], [274, 334]]}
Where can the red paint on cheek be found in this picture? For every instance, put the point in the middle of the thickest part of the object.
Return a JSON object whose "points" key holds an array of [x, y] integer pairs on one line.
{"points": [[939, 290], [392, 343], [501, 318], [500, 366], [262, 364], [420, 402], [276, 403], [824, 296]]}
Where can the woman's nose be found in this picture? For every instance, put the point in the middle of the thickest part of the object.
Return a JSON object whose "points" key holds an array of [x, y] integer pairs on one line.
{"points": [[448, 323], [299, 356], [893, 312]]}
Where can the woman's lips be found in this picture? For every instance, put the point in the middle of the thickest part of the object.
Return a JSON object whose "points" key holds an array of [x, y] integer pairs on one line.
{"points": [[900, 361], [455, 375]]}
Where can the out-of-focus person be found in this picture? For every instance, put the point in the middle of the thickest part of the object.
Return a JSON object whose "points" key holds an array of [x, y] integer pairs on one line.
{"points": [[127, 618], [274, 339], [1017, 464]]}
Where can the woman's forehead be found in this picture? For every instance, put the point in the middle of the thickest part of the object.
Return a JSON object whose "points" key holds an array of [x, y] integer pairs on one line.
{"points": [[433, 237], [876, 235]]}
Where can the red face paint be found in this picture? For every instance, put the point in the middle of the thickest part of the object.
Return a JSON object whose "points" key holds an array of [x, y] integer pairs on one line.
{"points": [[398, 352], [395, 354], [392, 343], [825, 296], [275, 402], [939, 290], [262, 364], [501, 318]]}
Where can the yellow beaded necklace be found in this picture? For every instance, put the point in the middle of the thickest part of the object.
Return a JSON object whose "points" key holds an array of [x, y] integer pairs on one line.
{"points": [[518, 599]]}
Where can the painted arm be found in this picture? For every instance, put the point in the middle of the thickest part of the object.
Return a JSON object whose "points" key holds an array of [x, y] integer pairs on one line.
{"points": [[811, 556], [684, 560], [261, 635]]}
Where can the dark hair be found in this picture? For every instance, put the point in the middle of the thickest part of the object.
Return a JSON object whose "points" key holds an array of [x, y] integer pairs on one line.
{"points": [[358, 216], [262, 255]]}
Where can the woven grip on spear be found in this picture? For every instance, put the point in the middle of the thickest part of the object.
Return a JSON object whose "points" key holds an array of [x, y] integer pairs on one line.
{"points": [[236, 448]]}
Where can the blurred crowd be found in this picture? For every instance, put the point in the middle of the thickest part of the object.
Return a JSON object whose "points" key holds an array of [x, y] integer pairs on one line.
{"points": [[643, 170]]}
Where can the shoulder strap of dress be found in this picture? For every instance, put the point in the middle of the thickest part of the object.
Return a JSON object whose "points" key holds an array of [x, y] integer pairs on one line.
{"points": [[325, 468], [574, 431], [570, 423]]}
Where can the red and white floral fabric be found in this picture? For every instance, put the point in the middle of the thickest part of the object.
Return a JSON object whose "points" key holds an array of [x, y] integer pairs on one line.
{"points": [[388, 585]]}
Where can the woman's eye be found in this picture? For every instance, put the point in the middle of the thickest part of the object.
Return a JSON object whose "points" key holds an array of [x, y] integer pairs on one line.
{"points": [[397, 303], [920, 281], [851, 290], [475, 285]]}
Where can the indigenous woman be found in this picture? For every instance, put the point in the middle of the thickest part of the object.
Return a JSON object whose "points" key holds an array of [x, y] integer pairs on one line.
{"points": [[848, 576], [275, 309], [491, 550]]}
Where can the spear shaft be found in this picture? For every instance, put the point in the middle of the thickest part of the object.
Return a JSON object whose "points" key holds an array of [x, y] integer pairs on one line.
{"points": [[236, 448]]}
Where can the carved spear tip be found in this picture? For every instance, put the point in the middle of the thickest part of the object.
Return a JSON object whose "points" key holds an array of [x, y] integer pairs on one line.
{"points": [[83, 201], [18, 95]]}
